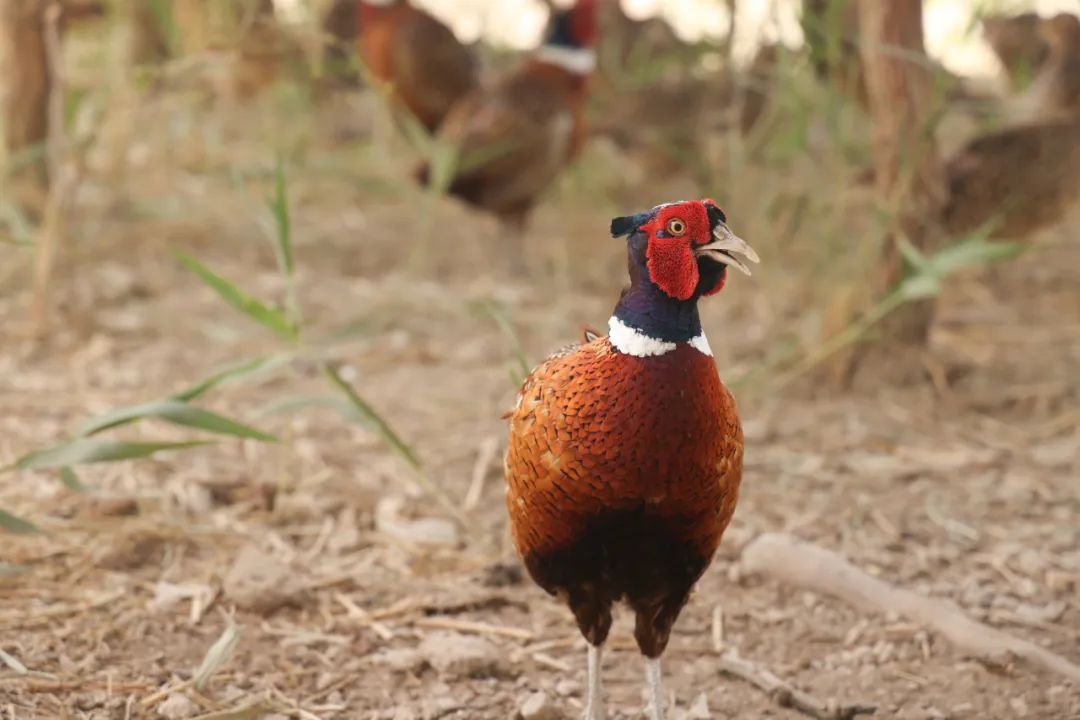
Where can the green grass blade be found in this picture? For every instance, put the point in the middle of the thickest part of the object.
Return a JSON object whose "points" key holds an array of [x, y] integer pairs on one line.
{"points": [[7, 240], [161, 11], [71, 481], [268, 317], [294, 403], [498, 315], [226, 374], [82, 451], [973, 251], [178, 413], [279, 206], [283, 247], [397, 444], [16, 525], [443, 166], [368, 413]]}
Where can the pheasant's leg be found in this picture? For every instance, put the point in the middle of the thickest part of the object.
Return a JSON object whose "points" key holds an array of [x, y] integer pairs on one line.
{"points": [[514, 242], [592, 610], [657, 701], [594, 700], [652, 629]]}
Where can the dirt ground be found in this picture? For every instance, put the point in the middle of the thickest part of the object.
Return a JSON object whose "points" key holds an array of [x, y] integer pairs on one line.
{"points": [[966, 490]]}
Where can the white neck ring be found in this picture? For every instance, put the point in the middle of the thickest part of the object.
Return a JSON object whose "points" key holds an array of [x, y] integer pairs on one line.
{"points": [[631, 341], [577, 61]]}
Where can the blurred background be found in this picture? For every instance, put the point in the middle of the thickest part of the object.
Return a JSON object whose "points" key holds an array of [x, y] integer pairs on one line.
{"points": [[271, 271]]}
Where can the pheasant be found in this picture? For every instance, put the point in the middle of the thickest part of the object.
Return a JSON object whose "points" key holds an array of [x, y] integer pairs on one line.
{"points": [[625, 452], [1055, 92], [1019, 180], [1018, 45], [418, 60], [513, 139]]}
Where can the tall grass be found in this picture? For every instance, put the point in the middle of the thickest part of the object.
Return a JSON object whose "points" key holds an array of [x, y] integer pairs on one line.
{"points": [[179, 409]]}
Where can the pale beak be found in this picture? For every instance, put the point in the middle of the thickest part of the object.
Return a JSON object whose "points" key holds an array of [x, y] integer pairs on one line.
{"points": [[727, 243]]}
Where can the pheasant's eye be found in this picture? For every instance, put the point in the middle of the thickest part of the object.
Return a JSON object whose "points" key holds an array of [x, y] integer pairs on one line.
{"points": [[676, 227]]}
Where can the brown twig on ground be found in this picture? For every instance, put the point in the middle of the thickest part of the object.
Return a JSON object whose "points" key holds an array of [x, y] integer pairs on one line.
{"points": [[469, 626], [813, 568], [787, 696], [363, 617]]}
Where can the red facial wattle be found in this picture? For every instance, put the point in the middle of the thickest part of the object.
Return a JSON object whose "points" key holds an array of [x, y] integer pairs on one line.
{"points": [[671, 261]]}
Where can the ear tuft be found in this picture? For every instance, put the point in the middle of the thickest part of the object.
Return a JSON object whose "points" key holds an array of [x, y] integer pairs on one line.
{"points": [[716, 215], [623, 226]]}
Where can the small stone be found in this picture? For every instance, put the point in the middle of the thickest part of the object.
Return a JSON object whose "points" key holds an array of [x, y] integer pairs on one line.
{"points": [[1055, 453], [537, 706], [258, 581], [460, 655], [429, 531], [568, 687], [177, 707], [115, 282], [699, 709], [401, 659]]}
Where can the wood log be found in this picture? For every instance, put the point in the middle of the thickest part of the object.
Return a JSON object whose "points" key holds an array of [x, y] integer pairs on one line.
{"points": [[809, 567]]}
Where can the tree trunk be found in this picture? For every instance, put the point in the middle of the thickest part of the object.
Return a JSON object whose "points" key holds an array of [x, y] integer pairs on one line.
{"points": [[24, 98], [908, 173]]}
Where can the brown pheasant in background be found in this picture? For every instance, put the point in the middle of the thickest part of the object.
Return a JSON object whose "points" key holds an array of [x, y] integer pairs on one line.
{"points": [[1020, 180], [1024, 178], [625, 452], [1055, 92], [513, 139], [417, 60], [1018, 45]]}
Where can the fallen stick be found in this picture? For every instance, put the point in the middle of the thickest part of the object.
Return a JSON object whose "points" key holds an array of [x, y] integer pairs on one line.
{"points": [[813, 568], [470, 626], [787, 696]]}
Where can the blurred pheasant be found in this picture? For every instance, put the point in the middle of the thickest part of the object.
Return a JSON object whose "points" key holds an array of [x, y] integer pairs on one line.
{"points": [[1055, 92], [1018, 44], [1019, 180], [625, 452], [417, 60], [1024, 178], [513, 139]]}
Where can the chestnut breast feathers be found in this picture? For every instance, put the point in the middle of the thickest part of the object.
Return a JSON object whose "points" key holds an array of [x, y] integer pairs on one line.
{"points": [[598, 430]]}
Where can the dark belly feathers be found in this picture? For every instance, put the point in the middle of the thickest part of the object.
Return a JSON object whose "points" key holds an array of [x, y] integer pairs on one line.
{"points": [[623, 473]]}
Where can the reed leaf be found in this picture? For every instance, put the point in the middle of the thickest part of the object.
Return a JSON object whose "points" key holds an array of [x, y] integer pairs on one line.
{"points": [[270, 318], [81, 451], [176, 412]]}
